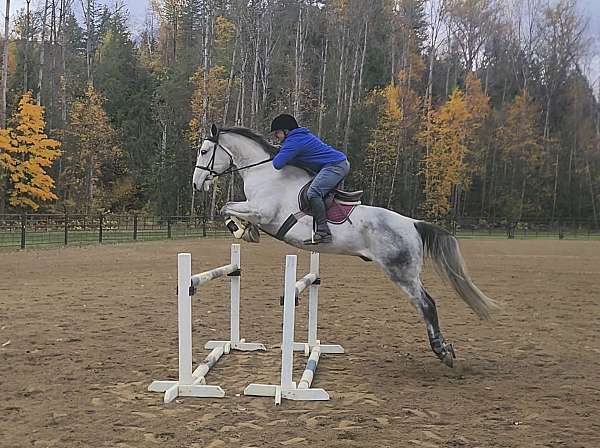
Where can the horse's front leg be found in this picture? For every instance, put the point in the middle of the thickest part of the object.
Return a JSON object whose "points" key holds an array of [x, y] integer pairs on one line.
{"points": [[241, 210]]}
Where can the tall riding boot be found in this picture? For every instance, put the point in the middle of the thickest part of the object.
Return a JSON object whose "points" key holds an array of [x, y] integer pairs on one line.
{"points": [[322, 233]]}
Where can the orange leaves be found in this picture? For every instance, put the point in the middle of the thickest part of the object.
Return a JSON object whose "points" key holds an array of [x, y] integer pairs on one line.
{"points": [[24, 152]]}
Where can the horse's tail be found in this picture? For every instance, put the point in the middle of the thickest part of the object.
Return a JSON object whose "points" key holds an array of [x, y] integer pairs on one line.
{"points": [[443, 249]]}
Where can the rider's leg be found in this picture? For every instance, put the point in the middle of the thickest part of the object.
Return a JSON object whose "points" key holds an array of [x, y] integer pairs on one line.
{"points": [[322, 184]]}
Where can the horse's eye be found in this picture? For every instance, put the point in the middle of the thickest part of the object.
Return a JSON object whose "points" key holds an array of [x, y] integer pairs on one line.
{"points": [[203, 152]]}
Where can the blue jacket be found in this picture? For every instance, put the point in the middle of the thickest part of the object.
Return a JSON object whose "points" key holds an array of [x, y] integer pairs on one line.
{"points": [[305, 149]]}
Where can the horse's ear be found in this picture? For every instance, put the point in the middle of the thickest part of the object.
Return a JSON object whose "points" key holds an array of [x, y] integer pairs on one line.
{"points": [[214, 131]]}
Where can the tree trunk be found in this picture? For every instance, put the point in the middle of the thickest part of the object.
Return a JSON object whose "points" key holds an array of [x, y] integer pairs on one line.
{"points": [[297, 63], [254, 94], [547, 120], [268, 46], [394, 174], [362, 60], [493, 184], [322, 91], [88, 40], [393, 64], [213, 201], [429, 92], [339, 83], [26, 55], [523, 185], [373, 177], [592, 196], [63, 63], [555, 194], [350, 102], [206, 74], [301, 34], [5, 66], [52, 48], [242, 95], [230, 81], [90, 184]]}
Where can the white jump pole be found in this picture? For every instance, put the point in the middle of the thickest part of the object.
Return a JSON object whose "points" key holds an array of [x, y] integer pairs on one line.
{"points": [[287, 388], [192, 384], [313, 306], [287, 345], [235, 343]]}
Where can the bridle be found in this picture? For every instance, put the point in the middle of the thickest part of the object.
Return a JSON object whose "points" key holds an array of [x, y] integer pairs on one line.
{"points": [[210, 167]]}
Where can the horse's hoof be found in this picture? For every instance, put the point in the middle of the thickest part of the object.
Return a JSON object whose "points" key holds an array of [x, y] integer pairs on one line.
{"points": [[447, 355], [448, 360]]}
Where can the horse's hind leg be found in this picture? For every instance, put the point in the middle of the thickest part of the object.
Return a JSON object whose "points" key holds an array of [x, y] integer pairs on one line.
{"points": [[443, 350], [425, 304]]}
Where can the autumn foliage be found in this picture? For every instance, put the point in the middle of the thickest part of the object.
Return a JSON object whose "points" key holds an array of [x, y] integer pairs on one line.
{"points": [[26, 152]]}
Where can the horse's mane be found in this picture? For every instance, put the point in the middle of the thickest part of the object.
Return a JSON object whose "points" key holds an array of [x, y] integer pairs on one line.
{"points": [[256, 137]]}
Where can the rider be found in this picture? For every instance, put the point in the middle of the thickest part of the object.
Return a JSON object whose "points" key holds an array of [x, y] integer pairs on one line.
{"points": [[303, 149]]}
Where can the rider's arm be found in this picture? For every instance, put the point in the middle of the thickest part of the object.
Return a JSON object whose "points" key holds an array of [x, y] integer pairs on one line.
{"points": [[286, 154]]}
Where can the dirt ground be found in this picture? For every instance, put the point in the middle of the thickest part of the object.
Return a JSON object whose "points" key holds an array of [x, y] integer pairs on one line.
{"points": [[83, 331]]}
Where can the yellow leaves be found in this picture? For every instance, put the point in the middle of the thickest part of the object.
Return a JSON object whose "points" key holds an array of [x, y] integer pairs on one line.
{"points": [[478, 102], [449, 137], [398, 113], [519, 135], [392, 110], [94, 158], [24, 152], [340, 7], [224, 31]]}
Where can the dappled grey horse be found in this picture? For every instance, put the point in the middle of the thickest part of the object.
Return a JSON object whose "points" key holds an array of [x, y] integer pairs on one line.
{"points": [[395, 242]]}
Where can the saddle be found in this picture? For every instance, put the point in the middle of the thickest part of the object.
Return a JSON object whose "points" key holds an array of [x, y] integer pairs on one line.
{"points": [[339, 204]]}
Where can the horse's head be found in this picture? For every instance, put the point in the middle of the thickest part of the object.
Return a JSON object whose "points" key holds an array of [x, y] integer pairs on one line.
{"points": [[213, 159]]}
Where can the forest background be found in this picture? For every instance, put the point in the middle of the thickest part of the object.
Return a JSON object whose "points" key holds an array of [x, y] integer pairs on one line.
{"points": [[479, 108]]}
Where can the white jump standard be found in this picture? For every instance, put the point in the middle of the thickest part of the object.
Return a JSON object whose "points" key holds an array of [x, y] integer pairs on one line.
{"points": [[288, 389], [193, 384]]}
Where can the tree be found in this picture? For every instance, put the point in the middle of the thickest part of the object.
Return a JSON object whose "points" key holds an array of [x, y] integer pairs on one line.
{"points": [[445, 167], [4, 66], [25, 153], [95, 174], [522, 146], [207, 101], [392, 147]]}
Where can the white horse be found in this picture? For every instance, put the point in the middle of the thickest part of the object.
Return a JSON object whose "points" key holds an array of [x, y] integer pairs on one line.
{"points": [[395, 242]]}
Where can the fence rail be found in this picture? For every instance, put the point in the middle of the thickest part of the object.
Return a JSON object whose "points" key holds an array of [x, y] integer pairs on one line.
{"points": [[33, 230], [30, 230]]}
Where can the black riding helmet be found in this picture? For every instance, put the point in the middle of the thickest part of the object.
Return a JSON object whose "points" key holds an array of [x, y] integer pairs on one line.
{"points": [[284, 122]]}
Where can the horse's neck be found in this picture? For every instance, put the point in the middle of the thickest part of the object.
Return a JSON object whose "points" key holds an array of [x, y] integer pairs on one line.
{"points": [[244, 151], [262, 180]]}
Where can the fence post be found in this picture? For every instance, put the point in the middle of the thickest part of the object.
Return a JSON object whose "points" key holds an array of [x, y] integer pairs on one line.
{"points": [[168, 227], [135, 226], [100, 222], [66, 229], [23, 223], [561, 235]]}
